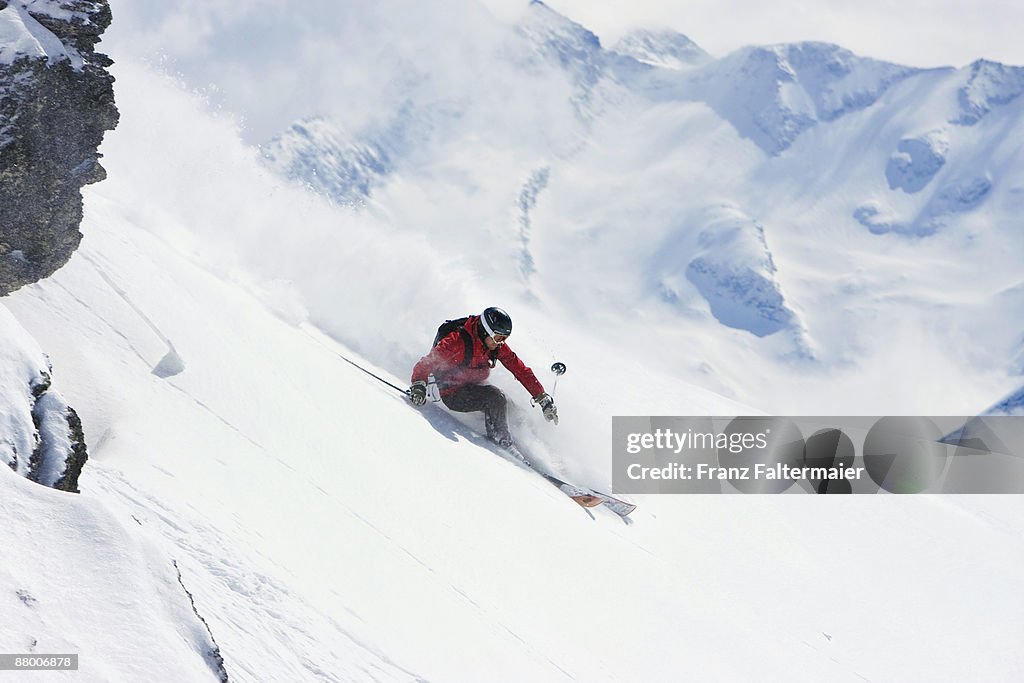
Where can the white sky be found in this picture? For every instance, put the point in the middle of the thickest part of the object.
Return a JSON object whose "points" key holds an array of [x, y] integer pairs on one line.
{"points": [[912, 32]]}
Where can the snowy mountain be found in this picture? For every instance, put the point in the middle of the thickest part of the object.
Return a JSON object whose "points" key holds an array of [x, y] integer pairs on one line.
{"points": [[789, 228], [812, 144], [773, 94]]}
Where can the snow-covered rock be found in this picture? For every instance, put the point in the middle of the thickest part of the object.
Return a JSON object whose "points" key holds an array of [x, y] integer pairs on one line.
{"points": [[959, 195], [40, 434], [873, 216], [23, 37], [733, 270], [916, 161], [989, 84], [317, 152], [527, 201]]}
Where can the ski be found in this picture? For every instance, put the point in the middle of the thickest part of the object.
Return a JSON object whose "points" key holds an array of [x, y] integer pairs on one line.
{"points": [[589, 498], [584, 497]]}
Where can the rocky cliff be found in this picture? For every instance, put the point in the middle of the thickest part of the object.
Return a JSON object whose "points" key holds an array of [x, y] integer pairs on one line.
{"points": [[56, 102]]}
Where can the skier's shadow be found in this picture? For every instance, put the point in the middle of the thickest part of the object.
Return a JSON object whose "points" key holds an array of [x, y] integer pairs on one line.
{"points": [[450, 427], [453, 429]]}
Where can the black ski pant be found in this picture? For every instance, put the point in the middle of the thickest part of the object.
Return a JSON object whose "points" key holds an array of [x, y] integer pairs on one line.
{"points": [[489, 399]]}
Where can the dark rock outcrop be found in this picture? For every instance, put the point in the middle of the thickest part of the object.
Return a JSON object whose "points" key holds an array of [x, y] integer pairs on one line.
{"points": [[56, 102], [60, 453]]}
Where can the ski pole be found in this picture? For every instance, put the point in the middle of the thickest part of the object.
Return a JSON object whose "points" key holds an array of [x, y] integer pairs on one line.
{"points": [[379, 379], [356, 365], [559, 369]]}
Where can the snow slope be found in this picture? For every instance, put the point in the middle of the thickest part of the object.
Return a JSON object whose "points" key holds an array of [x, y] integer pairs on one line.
{"points": [[328, 531], [78, 579]]}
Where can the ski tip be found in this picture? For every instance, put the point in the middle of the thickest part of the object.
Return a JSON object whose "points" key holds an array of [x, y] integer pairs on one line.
{"points": [[620, 508]]}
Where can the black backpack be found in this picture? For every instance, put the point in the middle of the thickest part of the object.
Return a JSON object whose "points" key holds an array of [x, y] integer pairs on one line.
{"points": [[459, 324]]}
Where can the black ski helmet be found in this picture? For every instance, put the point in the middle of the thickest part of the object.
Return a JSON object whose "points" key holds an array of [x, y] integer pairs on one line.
{"points": [[496, 321]]}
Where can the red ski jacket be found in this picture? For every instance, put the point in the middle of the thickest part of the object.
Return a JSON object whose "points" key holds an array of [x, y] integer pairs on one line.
{"points": [[445, 363]]}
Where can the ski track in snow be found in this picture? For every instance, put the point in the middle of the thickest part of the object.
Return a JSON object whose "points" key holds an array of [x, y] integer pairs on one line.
{"points": [[99, 317]]}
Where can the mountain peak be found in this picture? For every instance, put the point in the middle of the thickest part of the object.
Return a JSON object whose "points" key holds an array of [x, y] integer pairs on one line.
{"points": [[661, 47], [543, 22]]}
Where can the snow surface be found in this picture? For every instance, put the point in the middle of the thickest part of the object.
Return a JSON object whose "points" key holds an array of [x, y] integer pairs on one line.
{"points": [[328, 531]]}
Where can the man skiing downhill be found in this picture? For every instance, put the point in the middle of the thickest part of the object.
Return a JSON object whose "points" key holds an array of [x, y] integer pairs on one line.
{"points": [[461, 360]]}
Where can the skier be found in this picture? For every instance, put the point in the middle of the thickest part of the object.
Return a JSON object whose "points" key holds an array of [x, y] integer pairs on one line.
{"points": [[464, 353]]}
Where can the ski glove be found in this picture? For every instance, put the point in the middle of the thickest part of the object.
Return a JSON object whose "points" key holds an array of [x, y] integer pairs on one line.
{"points": [[418, 393], [547, 405]]}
